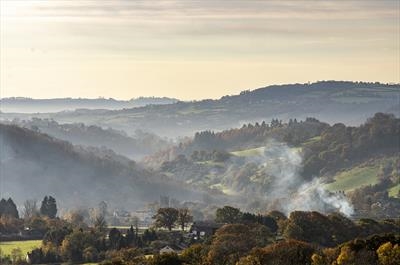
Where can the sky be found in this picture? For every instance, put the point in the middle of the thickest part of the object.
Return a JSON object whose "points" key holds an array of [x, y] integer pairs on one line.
{"points": [[191, 49]]}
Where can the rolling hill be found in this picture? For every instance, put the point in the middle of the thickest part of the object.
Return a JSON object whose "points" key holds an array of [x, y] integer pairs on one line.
{"points": [[135, 147], [331, 101], [267, 164], [30, 105], [35, 164]]}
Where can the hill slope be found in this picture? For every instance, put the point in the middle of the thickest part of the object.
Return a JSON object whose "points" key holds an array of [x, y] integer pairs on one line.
{"points": [[330, 101], [134, 147], [35, 164], [267, 164]]}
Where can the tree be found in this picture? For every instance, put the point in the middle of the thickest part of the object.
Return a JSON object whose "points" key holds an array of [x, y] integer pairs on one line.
{"points": [[8, 208], [135, 221], [115, 238], [166, 217], [195, 254], [228, 214], [166, 259], [56, 235], [100, 223], [76, 218], [74, 245], [346, 256], [285, 252], [184, 217], [130, 236], [388, 254], [49, 207], [232, 241], [30, 209], [103, 208]]}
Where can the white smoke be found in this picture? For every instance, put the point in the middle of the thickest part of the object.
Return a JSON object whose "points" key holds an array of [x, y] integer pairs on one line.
{"points": [[311, 196], [290, 191]]}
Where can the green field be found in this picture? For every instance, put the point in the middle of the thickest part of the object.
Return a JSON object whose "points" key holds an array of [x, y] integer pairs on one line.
{"points": [[210, 163], [311, 140], [25, 246], [354, 178], [120, 227], [394, 191], [249, 152]]}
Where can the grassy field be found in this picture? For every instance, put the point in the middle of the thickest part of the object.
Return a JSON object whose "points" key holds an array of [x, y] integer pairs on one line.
{"points": [[354, 178], [25, 246], [249, 152], [210, 163], [120, 227], [311, 140], [394, 191]]}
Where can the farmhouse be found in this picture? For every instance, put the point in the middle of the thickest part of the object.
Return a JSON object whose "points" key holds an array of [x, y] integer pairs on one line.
{"points": [[167, 250], [204, 229]]}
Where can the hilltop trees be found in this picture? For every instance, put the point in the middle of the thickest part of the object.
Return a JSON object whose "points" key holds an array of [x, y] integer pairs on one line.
{"points": [[339, 145], [228, 214], [49, 207]]}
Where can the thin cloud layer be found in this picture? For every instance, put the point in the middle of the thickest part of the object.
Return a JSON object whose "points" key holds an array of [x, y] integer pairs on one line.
{"points": [[80, 33]]}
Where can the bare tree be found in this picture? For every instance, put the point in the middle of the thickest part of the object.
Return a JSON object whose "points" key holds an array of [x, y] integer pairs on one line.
{"points": [[30, 209], [135, 222], [76, 217], [100, 223], [184, 217]]}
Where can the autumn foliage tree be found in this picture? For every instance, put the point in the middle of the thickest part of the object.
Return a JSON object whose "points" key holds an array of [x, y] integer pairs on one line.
{"points": [[228, 214], [286, 252], [232, 241]]}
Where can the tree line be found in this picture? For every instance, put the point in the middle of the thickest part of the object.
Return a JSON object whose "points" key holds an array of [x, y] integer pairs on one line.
{"points": [[48, 208]]}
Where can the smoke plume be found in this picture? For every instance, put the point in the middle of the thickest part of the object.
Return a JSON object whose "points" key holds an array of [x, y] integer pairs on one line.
{"points": [[290, 191]]}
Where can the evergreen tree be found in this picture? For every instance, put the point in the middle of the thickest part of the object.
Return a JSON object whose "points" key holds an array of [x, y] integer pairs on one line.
{"points": [[49, 207], [8, 208]]}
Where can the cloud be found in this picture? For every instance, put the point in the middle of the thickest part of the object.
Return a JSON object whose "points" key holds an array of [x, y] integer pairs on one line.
{"points": [[339, 34], [216, 9]]}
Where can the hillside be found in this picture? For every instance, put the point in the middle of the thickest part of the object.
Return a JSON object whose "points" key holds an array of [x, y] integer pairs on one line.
{"points": [[288, 165], [30, 105], [35, 164], [135, 147], [331, 101]]}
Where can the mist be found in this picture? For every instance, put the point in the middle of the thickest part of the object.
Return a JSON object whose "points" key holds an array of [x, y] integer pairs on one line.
{"points": [[289, 191], [34, 165]]}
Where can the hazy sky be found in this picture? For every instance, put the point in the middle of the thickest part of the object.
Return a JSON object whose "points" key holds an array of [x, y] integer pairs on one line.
{"points": [[191, 49]]}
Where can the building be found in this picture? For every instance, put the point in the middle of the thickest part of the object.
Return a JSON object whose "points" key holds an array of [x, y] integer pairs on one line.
{"points": [[202, 229], [167, 250]]}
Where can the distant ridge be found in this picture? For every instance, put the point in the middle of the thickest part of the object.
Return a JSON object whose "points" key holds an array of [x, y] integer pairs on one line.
{"points": [[331, 101], [31, 105]]}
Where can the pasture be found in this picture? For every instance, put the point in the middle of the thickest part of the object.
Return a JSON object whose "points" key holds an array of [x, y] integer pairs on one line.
{"points": [[25, 246]]}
